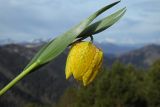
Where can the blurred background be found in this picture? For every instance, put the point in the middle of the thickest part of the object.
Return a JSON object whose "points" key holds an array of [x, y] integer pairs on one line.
{"points": [[130, 76]]}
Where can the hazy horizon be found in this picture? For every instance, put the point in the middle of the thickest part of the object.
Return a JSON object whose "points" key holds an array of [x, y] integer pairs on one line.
{"points": [[29, 20]]}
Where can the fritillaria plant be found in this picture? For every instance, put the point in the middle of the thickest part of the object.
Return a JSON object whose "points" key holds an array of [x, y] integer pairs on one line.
{"points": [[87, 66]]}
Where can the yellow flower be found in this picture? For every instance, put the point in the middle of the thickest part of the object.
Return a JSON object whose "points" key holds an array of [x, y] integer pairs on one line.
{"points": [[84, 61]]}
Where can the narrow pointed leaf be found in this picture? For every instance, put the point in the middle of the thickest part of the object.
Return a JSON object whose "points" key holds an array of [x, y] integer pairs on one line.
{"points": [[38, 54], [103, 24], [106, 24]]}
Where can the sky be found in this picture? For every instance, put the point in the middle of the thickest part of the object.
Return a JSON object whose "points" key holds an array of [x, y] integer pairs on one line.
{"points": [[28, 20]]}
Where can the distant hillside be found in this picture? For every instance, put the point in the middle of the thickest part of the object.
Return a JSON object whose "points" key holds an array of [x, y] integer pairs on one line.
{"points": [[46, 85], [142, 57], [115, 49]]}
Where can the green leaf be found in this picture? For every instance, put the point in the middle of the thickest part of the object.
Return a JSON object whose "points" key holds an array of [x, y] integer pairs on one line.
{"points": [[38, 54], [102, 24], [107, 22]]}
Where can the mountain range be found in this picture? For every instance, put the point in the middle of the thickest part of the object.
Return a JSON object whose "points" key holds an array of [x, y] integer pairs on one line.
{"points": [[117, 49], [142, 57], [46, 85]]}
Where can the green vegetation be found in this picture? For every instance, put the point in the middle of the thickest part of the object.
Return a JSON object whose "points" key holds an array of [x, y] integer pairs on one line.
{"points": [[120, 86]]}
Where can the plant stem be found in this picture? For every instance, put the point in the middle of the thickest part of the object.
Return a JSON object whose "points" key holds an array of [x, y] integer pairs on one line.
{"points": [[19, 77]]}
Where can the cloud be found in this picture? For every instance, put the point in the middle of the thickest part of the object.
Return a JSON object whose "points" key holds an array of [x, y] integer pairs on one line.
{"points": [[139, 25], [29, 19]]}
